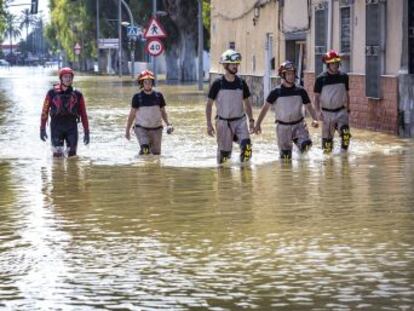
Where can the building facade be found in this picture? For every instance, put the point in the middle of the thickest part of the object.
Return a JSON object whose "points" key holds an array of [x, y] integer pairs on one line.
{"points": [[374, 37]]}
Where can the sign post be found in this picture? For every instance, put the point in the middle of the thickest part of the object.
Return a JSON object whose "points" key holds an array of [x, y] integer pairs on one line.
{"points": [[153, 33], [133, 32]]}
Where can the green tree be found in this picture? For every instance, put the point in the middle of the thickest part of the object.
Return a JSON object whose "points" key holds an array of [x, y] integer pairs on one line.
{"points": [[12, 29], [2, 20], [74, 21]]}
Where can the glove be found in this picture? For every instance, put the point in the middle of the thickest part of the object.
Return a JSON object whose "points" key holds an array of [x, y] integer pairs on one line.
{"points": [[170, 128], [86, 138], [43, 135]]}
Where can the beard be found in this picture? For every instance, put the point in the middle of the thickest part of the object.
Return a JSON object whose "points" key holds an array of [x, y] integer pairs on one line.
{"points": [[233, 70]]}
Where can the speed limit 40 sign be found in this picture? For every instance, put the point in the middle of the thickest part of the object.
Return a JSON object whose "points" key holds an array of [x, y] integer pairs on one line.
{"points": [[154, 47]]}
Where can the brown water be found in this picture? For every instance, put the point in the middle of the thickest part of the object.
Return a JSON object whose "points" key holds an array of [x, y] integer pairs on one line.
{"points": [[111, 231]]}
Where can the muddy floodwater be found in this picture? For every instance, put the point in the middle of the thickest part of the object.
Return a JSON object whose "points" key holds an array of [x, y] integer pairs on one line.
{"points": [[109, 230]]}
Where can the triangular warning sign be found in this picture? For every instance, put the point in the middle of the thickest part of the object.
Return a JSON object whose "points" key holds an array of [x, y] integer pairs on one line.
{"points": [[154, 29]]}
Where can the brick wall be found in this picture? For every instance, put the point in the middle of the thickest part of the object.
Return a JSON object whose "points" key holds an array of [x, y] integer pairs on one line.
{"points": [[378, 115]]}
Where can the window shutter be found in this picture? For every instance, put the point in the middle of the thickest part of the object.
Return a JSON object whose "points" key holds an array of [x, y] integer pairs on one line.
{"points": [[321, 23], [345, 15], [374, 47]]}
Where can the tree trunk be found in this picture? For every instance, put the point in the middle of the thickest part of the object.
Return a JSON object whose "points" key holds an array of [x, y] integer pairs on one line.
{"points": [[184, 15], [171, 55], [187, 56]]}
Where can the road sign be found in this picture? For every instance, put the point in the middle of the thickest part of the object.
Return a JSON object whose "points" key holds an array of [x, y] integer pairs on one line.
{"points": [[133, 31], [77, 48], [154, 47], [154, 29], [108, 43]]}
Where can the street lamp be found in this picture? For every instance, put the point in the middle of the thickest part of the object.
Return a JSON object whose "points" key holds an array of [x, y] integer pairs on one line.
{"points": [[120, 3]]}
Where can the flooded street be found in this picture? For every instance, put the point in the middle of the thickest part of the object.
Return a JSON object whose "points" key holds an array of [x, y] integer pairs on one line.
{"points": [[109, 230]]}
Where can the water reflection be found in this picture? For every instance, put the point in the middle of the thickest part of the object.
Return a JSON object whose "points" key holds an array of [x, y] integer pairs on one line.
{"points": [[110, 231]]}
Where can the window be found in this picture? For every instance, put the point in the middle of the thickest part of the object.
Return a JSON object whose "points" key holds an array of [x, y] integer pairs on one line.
{"points": [[345, 30], [345, 36], [232, 45], [321, 18]]}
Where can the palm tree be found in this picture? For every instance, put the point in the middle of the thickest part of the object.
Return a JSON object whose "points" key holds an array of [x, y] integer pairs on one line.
{"points": [[27, 20], [12, 29]]}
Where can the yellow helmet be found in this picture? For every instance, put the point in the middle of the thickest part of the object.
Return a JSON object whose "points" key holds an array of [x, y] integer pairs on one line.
{"points": [[230, 57]]}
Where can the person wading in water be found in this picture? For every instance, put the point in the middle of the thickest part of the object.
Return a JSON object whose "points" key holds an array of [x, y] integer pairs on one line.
{"points": [[231, 95], [66, 106]]}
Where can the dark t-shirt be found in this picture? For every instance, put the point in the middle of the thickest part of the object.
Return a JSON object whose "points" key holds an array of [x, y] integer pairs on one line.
{"points": [[282, 91], [223, 84], [326, 78], [153, 99]]}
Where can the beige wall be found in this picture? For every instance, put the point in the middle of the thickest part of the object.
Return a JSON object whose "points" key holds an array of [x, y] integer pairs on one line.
{"points": [[394, 37], [232, 20], [358, 44], [295, 15]]}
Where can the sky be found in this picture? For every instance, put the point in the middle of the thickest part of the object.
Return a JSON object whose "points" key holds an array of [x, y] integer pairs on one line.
{"points": [[25, 4]]}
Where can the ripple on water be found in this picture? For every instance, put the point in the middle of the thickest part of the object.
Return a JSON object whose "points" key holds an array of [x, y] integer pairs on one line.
{"points": [[109, 230]]}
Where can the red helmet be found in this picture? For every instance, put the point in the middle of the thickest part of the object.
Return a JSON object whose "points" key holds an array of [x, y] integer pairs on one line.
{"points": [[66, 70], [286, 66], [331, 57], [144, 75]]}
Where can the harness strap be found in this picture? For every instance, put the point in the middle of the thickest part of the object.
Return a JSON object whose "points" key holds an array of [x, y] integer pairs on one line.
{"points": [[149, 128], [333, 110], [231, 119], [289, 123]]}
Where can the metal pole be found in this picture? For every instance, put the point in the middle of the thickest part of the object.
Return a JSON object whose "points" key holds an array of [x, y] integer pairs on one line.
{"points": [[131, 20], [330, 25], [119, 39], [200, 45], [154, 62], [132, 58], [97, 33]]}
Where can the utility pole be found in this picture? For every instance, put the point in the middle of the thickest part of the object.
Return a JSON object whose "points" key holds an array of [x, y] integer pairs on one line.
{"points": [[97, 33], [119, 38], [200, 45], [154, 62]]}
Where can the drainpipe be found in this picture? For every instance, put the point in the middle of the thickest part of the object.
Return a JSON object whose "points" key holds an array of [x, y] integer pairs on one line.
{"points": [[330, 24]]}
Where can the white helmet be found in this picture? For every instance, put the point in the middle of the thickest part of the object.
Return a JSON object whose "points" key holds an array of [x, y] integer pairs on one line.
{"points": [[230, 57]]}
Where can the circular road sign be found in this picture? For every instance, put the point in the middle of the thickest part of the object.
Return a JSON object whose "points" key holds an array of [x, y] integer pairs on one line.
{"points": [[154, 47], [77, 48]]}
